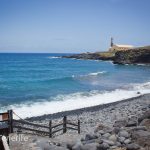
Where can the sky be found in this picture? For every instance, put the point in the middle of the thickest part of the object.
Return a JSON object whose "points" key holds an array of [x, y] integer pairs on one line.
{"points": [[72, 26]]}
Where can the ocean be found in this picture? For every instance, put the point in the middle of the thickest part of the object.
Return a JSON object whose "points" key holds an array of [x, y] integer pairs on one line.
{"points": [[38, 84]]}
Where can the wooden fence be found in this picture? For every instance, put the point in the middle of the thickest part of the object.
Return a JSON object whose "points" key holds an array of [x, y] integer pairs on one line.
{"points": [[45, 130]]}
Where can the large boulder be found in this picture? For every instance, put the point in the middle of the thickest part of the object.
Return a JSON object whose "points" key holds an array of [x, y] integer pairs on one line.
{"points": [[124, 133], [141, 137], [109, 142], [146, 123], [104, 146], [90, 136], [77, 146], [102, 128], [132, 121], [113, 138], [91, 146], [106, 135], [132, 146], [146, 115], [120, 123]]}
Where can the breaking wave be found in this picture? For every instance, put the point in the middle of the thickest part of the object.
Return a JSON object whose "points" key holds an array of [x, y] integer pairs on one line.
{"points": [[53, 57], [78, 100]]}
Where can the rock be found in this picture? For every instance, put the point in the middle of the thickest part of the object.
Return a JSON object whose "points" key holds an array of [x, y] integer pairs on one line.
{"points": [[146, 123], [92, 146], [113, 138], [102, 128], [99, 141], [104, 146], [101, 132], [132, 146], [133, 56], [106, 135], [53, 147], [127, 141], [141, 137], [70, 144], [120, 123], [90, 136], [121, 139], [111, 143], [124, 133], [113, 147], [116, 130], [93, 56], [118, 144], [131, 123], [77, 146], [146, 115], [89, 141], [138, 128]]}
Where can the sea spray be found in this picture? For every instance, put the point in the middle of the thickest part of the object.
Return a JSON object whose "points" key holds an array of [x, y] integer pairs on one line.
{"points": [[79, 100]]}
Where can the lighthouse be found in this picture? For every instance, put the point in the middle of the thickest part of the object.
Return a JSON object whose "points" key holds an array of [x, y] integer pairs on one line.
{"points": [[111, 44]]}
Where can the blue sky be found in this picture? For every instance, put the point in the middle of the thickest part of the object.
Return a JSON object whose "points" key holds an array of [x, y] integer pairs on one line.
{"points": [[72, 25]]}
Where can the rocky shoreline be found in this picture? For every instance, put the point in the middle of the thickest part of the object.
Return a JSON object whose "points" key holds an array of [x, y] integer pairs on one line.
{"points": [[122, 125], [139, 55]]}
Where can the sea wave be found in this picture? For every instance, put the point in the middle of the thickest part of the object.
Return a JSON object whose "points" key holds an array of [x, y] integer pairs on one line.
{"points": [[97, 73], [78, 100], [90, 74], [54, 57], [143, 64]]}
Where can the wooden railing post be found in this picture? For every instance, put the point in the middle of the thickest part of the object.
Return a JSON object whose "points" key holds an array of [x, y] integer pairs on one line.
{"points": [[10, 114], [64, 124], [78, 126], [50, 128]]}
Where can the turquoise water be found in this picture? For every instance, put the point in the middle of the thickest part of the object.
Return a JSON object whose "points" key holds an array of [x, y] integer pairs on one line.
{"points": [[28, 81]]}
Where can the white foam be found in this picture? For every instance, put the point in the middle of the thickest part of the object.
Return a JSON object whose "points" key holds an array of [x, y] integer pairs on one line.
{"points": [[78, 100], [53, 57], [143, 64], [91, 74], [97, 73]]}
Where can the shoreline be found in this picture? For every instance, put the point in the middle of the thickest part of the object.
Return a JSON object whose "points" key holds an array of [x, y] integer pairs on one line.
{"points": [[91, 109], [97, 121]]}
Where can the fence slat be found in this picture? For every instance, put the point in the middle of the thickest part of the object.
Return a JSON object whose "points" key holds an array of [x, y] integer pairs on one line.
{"points": [[50, 128], [72, 128], [10, 120], [78, 126], [28, 123], [57, 125], [57, 131], [64, 124], [70, 123], [25, 128]]}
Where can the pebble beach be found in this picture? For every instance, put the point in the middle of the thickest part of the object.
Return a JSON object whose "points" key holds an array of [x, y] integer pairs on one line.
{"points": [[91, 118]]}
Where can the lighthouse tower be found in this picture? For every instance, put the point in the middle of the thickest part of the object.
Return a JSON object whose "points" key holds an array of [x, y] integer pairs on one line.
{"points": [[111, 44]]}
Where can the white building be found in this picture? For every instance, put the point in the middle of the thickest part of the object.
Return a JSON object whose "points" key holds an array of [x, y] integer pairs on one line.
{"points": [[118, 47]]}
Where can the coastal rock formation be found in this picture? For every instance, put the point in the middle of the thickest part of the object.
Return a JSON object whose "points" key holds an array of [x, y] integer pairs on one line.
{"points": [[133, 56], [93, 56], [139, 55]]}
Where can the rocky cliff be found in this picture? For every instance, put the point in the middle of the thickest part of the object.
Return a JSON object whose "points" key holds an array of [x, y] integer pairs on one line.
{"points": [[133, 56]]}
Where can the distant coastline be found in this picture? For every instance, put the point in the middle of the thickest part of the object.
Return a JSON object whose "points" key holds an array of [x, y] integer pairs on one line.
{"points": [[140, 55]]}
